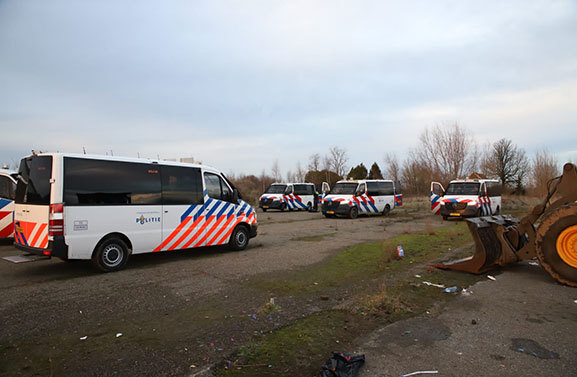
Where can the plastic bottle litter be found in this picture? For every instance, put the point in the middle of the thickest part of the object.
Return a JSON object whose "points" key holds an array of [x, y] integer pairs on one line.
{"points": [[450, 290], [491, 277], [400, 251], [420, 372]]}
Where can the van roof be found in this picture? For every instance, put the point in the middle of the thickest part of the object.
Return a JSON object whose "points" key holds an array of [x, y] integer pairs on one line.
{"points": [[363, 180], [292, 183], [474, 180], [125, 159]]}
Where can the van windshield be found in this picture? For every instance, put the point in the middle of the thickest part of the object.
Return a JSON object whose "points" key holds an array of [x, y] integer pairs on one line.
{"points": [[344, 188], [33, 185], [275, 189], [463, 188]]}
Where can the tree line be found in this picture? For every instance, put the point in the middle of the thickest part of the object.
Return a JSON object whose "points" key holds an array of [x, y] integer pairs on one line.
{"points": [[443, 153]]}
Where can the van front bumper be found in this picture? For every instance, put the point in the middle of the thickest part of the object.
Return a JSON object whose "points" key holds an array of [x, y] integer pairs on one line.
{"points": [[335, 208], [468, 211]]}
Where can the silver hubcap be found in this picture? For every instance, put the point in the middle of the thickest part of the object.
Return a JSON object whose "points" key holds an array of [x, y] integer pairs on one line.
{"points": [[112, 255], [240, 238]]}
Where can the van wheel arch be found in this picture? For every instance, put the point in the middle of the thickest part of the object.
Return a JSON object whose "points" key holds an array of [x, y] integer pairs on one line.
{"points": [[115, 243], [239, 237]]}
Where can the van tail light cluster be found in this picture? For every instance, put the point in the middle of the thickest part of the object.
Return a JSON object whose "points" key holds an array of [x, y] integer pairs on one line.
{"points": [[56, 220]]}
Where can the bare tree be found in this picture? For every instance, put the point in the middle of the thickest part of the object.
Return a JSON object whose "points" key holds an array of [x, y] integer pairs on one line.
{"points": [[300, 173], [415, 176], [449, 151], [314, 162], [506, 161], [290, 176], [276, 171], [392, 170], [336, 160], [544, 169]]}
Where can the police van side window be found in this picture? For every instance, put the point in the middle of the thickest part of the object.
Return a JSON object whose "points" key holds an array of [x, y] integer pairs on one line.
{"points": [[388, 188], [373, 188], [181, 185], [98, 182], [304, 190], [216, 188]]}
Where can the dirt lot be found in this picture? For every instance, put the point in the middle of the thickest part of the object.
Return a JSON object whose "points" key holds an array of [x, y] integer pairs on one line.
{"points": [[199, 312]]}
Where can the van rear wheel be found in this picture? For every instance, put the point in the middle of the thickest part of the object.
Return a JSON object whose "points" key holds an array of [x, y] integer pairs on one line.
{"points": [[387, 210], [110, 255], [239, 238]]}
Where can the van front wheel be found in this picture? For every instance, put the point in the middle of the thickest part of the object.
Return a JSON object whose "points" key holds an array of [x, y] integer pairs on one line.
{"points": [[387, 210], [111, 255], [239, 238]]}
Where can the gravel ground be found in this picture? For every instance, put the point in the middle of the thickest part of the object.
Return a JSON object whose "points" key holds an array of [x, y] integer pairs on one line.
{"points": [[47, 306]]}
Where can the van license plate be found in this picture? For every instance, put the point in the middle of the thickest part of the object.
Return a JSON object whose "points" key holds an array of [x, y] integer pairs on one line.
{"points": [[455, 214], [331, 212], [264, 207]]}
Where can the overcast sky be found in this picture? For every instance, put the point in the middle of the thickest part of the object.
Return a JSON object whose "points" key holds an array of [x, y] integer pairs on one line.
{"points": [[238, 84]]}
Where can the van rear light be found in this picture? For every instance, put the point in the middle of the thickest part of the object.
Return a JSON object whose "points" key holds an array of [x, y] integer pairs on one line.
{"points": [[56, 220]]}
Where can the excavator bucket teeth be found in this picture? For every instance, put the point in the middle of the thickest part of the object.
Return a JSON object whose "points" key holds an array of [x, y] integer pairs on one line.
{"points": [[487, 233]]}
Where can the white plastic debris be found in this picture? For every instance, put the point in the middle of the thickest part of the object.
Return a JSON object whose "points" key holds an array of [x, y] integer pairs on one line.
{"points": [[466, 292], [534, 263], [118, 335], [491, 277], [84, 338], [433, 284], [420, 372], [418, 276]]}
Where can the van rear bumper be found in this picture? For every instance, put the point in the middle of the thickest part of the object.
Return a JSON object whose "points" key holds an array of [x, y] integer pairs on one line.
{"points": [[56, 248]]}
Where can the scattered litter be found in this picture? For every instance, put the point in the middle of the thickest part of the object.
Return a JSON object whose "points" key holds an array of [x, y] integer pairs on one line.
{"points": [[473, 322], [575, 301], [420, 372], [466, 292], [534, 263], [400, 251], [450, 290], [491, 277], [118, 335], [84, 338], [418, 276], [342, 365], [433, 284]]}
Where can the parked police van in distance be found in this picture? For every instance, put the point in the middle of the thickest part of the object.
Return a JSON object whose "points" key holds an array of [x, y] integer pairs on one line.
{"points": [[7, 192], [104, 208], [283, 196], [466, 198], [351, 198]]}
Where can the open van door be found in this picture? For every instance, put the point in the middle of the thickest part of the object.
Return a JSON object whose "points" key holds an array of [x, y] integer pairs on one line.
{"points": [[437, 192]]}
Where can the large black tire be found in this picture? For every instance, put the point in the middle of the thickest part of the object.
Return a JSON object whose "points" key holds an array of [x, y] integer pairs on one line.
{"points": [[353, 213], [556, 244], [386, 210], [309, 207], [239, 238], [282, 207], [110, 255], [264, 209]]}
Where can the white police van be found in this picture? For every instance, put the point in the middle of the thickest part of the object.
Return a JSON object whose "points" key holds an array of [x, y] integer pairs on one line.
{"points": [[354, 197], [7, 192], [466, 198], [106, 208], [291, 196]]}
